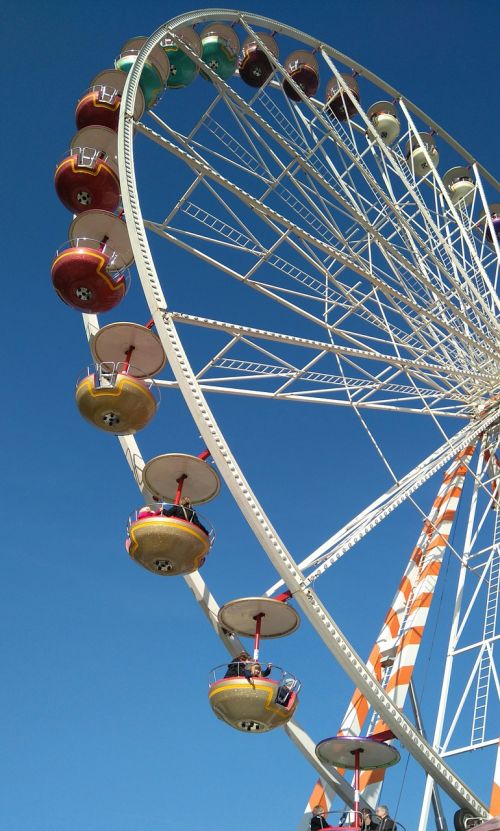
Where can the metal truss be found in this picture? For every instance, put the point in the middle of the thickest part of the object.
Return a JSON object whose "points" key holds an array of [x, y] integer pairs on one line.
{"points": [[230, 641], [384, 298], [470, 720], [289, 381], [350, 534]]}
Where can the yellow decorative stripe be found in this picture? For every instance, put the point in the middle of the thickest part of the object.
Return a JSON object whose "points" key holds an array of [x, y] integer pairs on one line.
{"points": [[70, 162], [92, 253], [269, 690], [115, 391], [148, 522], [98, 103]]}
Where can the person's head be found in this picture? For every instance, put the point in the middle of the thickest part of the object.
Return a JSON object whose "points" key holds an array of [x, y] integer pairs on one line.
{"points": [[381, 811], [256, 669], [318, 811], [367, 813], [186, 502], [243, 656]]}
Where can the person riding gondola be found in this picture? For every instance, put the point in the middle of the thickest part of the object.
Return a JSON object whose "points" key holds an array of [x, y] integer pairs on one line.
{"points": [[318, 820], [367, 822], [185, 511], [255, 670], [385, 821], [236, 668]]}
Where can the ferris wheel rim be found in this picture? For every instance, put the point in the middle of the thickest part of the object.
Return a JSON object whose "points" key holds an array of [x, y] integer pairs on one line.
{"points": [[230, 640], [463, 399], [214, 438], [204, 15]]}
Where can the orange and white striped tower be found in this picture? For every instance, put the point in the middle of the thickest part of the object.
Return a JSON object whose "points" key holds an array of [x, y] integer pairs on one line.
{"points": [[425, 565], [394, 653], [495, 791], [470, 664]]}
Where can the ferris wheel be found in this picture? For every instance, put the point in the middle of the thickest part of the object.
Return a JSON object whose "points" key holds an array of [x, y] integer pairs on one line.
{"points": [[360, 248]]}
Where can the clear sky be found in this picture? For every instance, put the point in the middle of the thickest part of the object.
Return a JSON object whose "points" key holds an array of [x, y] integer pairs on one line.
{"points": [[105, 723]]}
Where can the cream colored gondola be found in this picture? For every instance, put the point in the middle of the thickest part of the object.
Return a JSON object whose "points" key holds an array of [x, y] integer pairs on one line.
{"points": [[250, 703], [170, 539]]}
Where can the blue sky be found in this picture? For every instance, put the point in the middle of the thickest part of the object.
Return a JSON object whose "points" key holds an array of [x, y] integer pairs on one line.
{"points": [[105, 723]]}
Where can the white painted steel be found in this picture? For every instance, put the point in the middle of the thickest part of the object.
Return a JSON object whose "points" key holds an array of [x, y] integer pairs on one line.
{"points": [[344, 539], [487, 574], [211, 608], [446, 378], [231, 642], [195, 400]]}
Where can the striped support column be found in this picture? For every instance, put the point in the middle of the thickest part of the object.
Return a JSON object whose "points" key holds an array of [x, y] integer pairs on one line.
{"points": [[428, 557], [437, 525], [493, 463], [413, 595], [495, 791]]}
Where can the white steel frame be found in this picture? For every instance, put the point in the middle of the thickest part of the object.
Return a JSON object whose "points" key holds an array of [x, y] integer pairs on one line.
{"points": [[482, 567], [423, 267]]}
